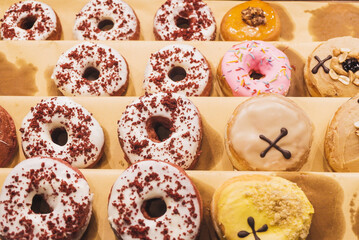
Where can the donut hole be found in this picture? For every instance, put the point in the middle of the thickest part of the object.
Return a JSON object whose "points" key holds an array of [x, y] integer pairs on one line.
{"points": [[177, 74], [91, 73], [59, 136], [159, 128], [153, 208], [39, 205], [105, 24], [182, 22], [255, 75], [27, 22]]}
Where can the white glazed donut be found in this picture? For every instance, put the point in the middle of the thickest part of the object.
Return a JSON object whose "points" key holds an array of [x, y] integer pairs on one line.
{"points": [[170, 64], [30, 20], [84, 145], [148, 180], [122, 18], [184, 20], [77, 69], [140, 126], [64, 189]]}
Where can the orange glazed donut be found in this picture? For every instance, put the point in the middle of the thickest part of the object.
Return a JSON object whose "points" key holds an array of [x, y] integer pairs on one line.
{"points": [[44, 198], [252, 20]]}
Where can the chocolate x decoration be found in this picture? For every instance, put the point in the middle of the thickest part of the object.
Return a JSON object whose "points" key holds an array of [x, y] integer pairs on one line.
{"points": [[321, 64], [251, 223], [285, 153]]}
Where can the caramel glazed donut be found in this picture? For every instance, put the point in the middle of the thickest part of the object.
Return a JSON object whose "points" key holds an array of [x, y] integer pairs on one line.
{"points": [[140, 185], [184, 20], [44, 125], [106, 20], [180, 69], [90, 69], [30, 20], [67, 210], [161, 126]]}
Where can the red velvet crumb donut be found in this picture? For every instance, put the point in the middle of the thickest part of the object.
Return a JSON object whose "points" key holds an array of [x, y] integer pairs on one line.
{"points": [[44, 198], [30, 20], [8, 141], [154, 200]]}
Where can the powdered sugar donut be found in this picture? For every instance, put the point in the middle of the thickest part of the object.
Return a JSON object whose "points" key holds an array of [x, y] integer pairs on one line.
{"points": [[180, 69], [30, 20], [149, 182], [161, 126], [59, 127], [106, 20], [184, 20], [37, 180], [252, 68], [90, 69]]}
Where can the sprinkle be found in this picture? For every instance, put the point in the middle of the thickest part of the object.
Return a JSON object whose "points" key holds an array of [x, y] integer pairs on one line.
{"points": [[236, 90], [234, 61], [281, 57], [250, 54], [243, 83], [238, 69], [261, 61], [274, 79], [248, 65], [263, 50], [240, 58], [259, 92], [288, 66]]}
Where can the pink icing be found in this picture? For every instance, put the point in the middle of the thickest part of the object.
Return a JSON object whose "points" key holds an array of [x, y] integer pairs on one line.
{"points": [[261, 57]]}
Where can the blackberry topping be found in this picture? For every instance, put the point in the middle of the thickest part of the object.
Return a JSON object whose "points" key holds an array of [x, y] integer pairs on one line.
{"points": [[351, 64]]}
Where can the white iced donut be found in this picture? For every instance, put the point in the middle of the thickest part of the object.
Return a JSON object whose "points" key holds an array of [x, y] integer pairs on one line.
{"points": [[30, 20], [161, 126], [90, 69], [63, 188], [180, 69], [106, 20], [132, 210], [184, 20], [58, 127]]}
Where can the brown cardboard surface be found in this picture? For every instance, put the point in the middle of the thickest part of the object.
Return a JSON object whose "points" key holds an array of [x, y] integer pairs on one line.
{"points": [[347, 188], [26, 66], [215, 113], [299, 18]]}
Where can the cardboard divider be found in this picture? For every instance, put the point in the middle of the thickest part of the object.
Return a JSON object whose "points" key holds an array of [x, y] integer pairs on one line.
{"points": [[329, 222], [215, 113], [299, 18]]}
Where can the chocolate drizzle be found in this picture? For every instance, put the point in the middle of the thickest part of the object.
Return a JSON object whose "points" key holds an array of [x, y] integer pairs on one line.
{"points": [[251, 223], [285, 153], [321, 64]]}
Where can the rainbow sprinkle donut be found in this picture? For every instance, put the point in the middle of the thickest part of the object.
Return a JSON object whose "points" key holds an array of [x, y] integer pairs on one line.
{"points": [[252, 68]]}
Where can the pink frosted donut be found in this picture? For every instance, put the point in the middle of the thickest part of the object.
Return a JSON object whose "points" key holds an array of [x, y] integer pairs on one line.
{"points": [[252, 68]]}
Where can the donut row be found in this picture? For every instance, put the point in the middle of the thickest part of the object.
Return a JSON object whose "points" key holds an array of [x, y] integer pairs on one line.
{"points": [[46, 198], [267, 132], [116, 20]]}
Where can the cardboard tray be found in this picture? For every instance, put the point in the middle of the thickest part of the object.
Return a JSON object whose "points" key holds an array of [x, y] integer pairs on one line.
{"points": [[301, 20], [334, 197]]}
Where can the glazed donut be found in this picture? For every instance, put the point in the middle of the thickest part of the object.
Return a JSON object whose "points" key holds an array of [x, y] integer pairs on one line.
{"points": [[106, 20], [161, 126], [180, 69], [132, 215], [90, 69], [59, 127], [68, 202], [184, 20], [252, 68], [30, 20], [8, 140]]}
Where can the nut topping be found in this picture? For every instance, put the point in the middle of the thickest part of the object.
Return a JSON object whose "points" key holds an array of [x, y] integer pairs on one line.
{"points": [[253, 16]]}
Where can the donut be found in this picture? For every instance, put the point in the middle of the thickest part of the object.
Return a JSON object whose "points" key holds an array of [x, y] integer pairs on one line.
{"points": [[269, 133], [162, 126], [59, 127], [251, 20], [106, 20], [179, 69], [154, 200], [331, 70], [264, 207], [30, 20], [186, 20], [252, 68], [44, 198], [8, 140], [342, 138], [89, 69]]}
